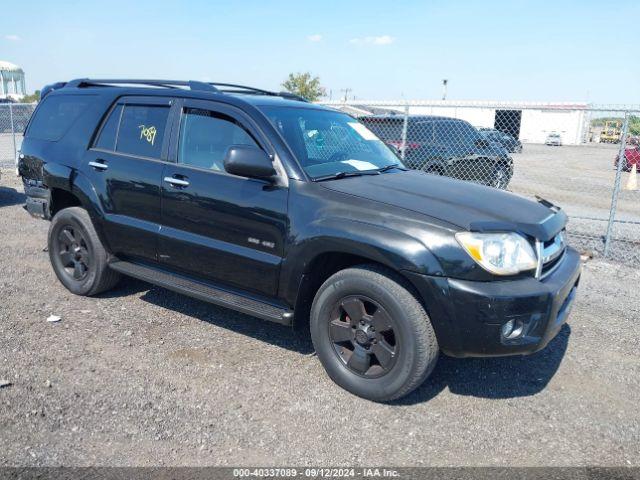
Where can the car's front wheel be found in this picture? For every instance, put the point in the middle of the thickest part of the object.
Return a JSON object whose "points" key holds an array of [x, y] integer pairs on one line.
{"points": [[78, 257], [373, 337]]}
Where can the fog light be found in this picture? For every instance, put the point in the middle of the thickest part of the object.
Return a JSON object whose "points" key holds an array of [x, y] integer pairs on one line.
{"points": [[512, 329]]}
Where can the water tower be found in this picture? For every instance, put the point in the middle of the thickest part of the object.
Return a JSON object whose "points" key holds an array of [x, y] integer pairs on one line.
{"points": [[11, 81]]}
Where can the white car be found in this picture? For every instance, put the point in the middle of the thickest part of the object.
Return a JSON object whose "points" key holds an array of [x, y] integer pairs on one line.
{"points": [[554, 139]]}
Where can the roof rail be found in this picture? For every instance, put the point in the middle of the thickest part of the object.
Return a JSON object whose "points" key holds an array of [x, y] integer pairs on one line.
{"points": [[214, 87], [93, 82]]}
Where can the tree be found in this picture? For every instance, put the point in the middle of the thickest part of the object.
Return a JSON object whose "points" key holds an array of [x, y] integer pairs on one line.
{"points": [[304, 85], [34, 97]]}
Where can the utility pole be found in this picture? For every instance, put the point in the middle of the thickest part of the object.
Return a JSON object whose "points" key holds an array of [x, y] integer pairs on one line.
{"points": [[444, 88], [346, 94]]}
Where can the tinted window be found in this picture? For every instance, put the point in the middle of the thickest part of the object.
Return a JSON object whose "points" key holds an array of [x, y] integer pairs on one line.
{"points": [[384, 128], [107, 136], [455, 132], [326, 142], [420, 132], [206, 136], [56, 114], [142, 130]]}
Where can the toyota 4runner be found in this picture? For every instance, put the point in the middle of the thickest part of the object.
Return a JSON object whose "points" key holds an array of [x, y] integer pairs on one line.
{"points": [[294, 213]]}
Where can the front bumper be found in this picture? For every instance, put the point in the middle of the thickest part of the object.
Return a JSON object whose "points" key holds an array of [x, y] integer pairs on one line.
{"points": [[468, 316]]}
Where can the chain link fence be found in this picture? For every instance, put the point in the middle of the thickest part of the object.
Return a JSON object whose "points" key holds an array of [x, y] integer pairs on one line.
{"points": [[13, 121], [581, 157], [566, 153]]}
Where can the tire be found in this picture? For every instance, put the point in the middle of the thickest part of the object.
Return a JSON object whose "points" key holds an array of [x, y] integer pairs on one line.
{"points": [[384, 300], [77, 256]]}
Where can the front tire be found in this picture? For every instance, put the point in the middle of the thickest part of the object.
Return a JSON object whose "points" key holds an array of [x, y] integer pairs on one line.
{"points": [[371, 334], [78, 258]]}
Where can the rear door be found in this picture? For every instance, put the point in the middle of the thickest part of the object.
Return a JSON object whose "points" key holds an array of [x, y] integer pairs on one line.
{"points": [[217, 226], [125, 167]]}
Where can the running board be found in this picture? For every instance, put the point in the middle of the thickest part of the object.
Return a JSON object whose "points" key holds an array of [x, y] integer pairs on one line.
{"points": [[207, 292]]}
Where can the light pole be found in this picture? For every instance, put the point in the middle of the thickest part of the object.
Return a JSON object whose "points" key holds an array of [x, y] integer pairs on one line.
{"points": [[444, 88]]}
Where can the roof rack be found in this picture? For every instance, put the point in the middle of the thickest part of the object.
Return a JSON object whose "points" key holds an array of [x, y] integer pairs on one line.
{"points": [[213, 87]]}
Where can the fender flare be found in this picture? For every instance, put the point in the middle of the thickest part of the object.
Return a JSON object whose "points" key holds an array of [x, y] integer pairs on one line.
{"points": [[391, 248], [71, 180]]}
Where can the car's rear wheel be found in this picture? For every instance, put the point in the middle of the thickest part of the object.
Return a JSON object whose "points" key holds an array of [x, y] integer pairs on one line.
{"points": [[78, 258], [373, 337]]}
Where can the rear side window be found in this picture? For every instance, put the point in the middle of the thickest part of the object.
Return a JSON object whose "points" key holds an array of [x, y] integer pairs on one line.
{"points": [[387, 129], [142, 130], [56, 115], [109, 131], [420, 132]]}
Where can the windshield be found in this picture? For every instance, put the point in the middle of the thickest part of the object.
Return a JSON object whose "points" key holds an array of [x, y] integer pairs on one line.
{"points": [[327, 142]]}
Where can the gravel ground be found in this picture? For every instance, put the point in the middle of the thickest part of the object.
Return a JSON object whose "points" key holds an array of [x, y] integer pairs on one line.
{"points": [[143, 376]]}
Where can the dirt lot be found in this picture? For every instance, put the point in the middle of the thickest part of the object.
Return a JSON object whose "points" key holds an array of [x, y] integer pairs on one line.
{"points": [[143, 376], [580, 179]]}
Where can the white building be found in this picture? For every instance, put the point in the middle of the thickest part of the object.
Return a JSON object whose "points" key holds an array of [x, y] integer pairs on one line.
{"points": [[11, 81], [531, 122]]}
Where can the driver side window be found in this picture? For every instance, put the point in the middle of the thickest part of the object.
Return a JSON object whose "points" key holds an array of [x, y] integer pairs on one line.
{"points": [[206, 136]]}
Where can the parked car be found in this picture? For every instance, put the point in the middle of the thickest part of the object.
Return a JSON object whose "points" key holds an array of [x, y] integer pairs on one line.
{"points": [[512, 145], [445, 146], [553, 139], [631, 157], [294, 213]]}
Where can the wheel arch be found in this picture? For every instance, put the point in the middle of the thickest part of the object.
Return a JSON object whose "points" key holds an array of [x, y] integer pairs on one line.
{"points": [[70, 188], [323, 256]]}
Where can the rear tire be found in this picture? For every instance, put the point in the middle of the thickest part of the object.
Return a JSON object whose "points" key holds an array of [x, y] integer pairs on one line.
{"points": [[382, 363], [78, 258]]}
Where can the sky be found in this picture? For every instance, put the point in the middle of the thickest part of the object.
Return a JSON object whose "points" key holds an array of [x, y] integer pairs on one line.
{"points": [[516, 50]]}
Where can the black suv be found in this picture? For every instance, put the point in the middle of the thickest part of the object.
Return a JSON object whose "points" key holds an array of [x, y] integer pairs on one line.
{"points": [[444, 146], [297, 214]]}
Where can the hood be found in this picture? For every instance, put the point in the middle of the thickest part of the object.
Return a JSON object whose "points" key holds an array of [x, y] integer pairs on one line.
{"points": [[467, 205]]}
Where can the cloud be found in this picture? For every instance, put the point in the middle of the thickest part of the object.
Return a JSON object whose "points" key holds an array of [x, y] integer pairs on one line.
{"points": [[381, 40], [315, 37], [12, 38]]}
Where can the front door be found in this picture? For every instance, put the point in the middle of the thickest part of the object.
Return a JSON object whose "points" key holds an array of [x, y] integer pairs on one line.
{"points": [[125, 167], [218, 226]]}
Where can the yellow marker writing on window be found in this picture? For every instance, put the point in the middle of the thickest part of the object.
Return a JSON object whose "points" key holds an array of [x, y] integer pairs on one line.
{"points": [[148, 133]]}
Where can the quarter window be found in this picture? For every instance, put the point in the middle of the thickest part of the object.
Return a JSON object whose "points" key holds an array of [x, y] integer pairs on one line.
{"points": [[56, 115], [206, 136], [142, 130], [107, 136]]}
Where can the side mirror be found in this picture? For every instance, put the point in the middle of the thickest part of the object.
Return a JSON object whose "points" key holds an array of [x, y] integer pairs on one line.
{"points": [[248, 161]]}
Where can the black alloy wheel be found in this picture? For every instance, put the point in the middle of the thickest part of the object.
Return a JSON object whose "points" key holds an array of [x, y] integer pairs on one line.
{"points": [[77, 255], [371, 333], [364, 336], [73, 250]]}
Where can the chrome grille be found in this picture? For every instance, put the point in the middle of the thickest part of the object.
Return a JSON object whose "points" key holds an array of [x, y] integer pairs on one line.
{"points": [[549, 254]]}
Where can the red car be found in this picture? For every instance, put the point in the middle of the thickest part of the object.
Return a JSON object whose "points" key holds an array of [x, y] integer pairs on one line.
{"points": [[631, 156]]}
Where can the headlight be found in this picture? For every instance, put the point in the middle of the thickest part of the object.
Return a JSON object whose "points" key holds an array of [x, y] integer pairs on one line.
{"points": [[499, 253]]}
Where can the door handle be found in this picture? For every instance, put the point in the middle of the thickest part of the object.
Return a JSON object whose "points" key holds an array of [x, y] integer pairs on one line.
{"points": [[176, 182], [98, 165]]}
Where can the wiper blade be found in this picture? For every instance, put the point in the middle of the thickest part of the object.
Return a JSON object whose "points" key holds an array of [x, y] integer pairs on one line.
{"points": [[386, 168], [338, 175]]}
